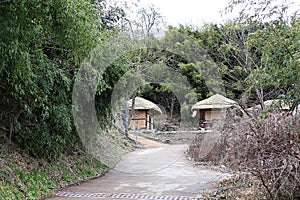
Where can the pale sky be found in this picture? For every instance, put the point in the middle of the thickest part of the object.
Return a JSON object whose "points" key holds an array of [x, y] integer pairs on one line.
{"points": [[195, 12]]}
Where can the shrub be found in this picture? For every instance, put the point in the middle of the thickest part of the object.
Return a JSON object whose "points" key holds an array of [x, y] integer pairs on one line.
{"points": [[267, 147]]}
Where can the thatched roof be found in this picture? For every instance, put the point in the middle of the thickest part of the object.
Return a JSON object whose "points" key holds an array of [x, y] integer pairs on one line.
{"points": [[271, 104], [276, 103], [143, 104], [215, 101]]}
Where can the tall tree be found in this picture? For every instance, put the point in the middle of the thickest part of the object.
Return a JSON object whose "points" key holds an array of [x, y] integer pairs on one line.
{"points": [[279, 46]]}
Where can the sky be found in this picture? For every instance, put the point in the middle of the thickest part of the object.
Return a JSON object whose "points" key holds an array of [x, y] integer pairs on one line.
{"points": [[195, 12]]}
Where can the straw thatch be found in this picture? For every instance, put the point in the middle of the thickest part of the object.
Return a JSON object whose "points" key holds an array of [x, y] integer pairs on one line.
{"points": [[276, 103], [271, 104], [216, 101], [143, 104]]}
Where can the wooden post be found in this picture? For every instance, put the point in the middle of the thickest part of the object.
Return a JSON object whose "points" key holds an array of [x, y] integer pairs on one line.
{"points": [[126, 118], [147, 120], [151, 123]]}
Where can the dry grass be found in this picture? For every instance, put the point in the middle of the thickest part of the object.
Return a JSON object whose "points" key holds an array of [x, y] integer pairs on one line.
{"points": [[267, 147]]}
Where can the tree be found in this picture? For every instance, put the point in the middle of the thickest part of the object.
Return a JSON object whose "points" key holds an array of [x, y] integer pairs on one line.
{"points": [[140, 29], [42, 44], [278, 44], [228, 47]]}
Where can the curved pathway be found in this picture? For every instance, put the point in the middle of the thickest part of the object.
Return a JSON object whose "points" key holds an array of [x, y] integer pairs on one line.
{"points": [[155, 173]]}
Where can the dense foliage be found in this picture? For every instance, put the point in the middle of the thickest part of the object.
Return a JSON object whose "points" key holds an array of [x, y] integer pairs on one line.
{"points": [[266, 52], [42, 44]]}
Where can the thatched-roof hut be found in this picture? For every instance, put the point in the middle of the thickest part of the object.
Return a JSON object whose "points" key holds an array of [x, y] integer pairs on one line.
{"points": [[144, 112], [213, 107], [275, 104]]}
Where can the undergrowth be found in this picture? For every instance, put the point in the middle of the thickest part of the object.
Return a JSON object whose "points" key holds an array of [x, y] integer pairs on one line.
{"points": [[23, 176], [266, 147]]}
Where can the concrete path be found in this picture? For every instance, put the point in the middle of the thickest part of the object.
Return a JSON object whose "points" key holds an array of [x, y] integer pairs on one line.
{"points": [[158, 172]]}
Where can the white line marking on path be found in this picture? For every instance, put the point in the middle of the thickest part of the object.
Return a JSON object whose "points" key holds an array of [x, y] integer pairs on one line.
{"points": [[125, 196]]}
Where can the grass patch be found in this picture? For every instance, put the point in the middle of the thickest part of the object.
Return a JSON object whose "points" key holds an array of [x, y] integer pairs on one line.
{"points": [[22, 177]]}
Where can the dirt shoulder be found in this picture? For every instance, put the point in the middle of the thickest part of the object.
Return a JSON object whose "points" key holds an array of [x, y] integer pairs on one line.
{"points": [[170, 137], [145, 142]]}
